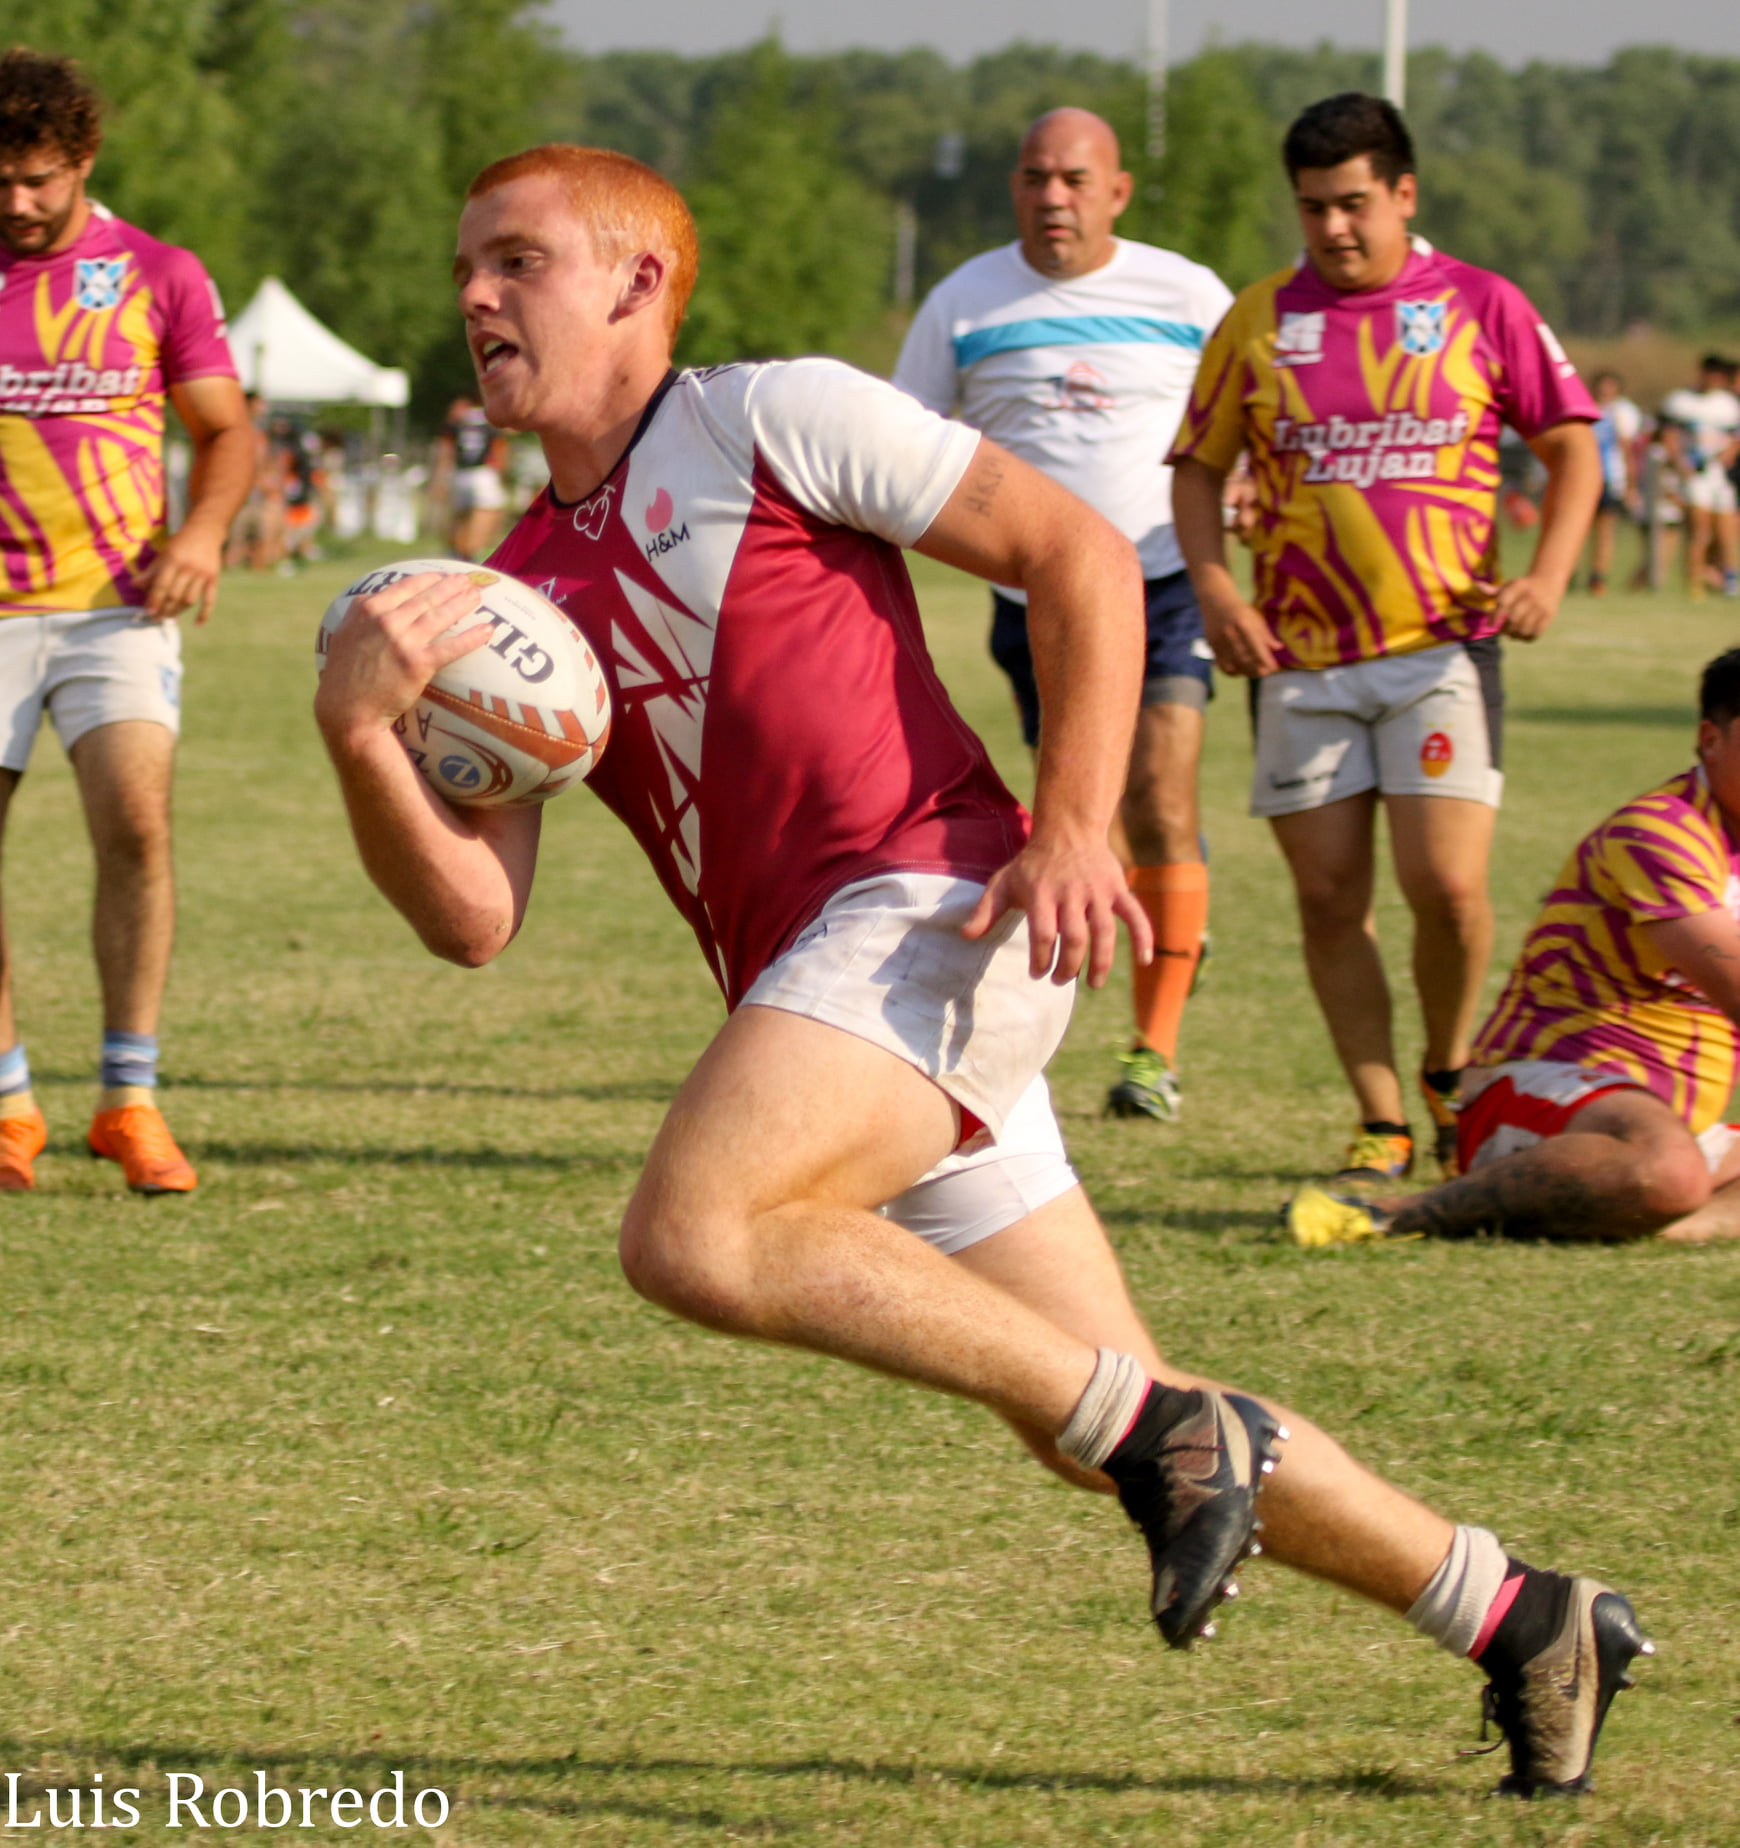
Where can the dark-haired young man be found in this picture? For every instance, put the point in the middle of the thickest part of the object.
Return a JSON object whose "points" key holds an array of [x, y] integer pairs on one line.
{"points": [[1701, 433], [1592, 1105], [1368, 385], [99, 324]]}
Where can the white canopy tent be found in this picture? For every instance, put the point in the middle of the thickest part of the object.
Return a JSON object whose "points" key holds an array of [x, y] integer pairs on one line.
{"points": [[288, 357]]}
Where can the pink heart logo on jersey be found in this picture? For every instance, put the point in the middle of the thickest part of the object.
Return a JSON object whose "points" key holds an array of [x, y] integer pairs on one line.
{"points": [[660, 510]]}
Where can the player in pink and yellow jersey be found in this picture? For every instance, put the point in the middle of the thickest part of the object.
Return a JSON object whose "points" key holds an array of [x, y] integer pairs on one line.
{"points": [[1368, 386], [1593, 1101], [100, 325]]}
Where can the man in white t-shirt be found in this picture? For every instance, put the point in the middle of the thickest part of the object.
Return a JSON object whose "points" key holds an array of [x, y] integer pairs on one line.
{"points": [[1076, 349], [1701, 431]]}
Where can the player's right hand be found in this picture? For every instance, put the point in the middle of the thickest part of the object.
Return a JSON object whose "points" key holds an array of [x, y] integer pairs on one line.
{"points": [[1240, 639], [390, 646]]}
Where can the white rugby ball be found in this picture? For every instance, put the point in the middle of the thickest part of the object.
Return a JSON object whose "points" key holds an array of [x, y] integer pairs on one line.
{"points": [[514, 722]]}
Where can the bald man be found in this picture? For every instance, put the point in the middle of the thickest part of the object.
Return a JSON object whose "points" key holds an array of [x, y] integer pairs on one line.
{"points": [[1076, 349]]}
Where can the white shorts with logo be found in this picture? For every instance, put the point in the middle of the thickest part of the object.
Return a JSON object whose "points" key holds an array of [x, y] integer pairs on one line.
{"points": [[1421, 724], [1711, 490], [884, 960], [85, 668], [478, 490]]}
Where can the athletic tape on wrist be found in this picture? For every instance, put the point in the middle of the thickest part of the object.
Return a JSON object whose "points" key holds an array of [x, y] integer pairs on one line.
{"points": [[1106, 1410], [1454, 1604]]}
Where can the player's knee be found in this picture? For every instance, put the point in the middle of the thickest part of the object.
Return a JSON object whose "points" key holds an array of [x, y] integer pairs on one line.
{"points": [[1328, 903], [1674, 1183], [133, 841], [1456, 901], [677, 1260]]}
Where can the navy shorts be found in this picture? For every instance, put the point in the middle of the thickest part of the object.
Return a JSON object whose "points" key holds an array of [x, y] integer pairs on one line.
{"points": [[1179, 669]]}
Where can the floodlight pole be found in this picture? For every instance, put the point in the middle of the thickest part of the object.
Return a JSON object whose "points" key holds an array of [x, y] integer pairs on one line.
{"points": [[1396, 51], [1157, 61]]}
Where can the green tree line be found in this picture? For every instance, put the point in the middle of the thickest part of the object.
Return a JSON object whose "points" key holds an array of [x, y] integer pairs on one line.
{"points": [[330, 141]]}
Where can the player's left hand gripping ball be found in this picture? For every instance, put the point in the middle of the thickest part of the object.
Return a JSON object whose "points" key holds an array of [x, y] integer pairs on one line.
{"points": [[514, 722]]}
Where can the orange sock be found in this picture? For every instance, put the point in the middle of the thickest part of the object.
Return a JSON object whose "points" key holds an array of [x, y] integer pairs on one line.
{"points": [[1176, 901]]}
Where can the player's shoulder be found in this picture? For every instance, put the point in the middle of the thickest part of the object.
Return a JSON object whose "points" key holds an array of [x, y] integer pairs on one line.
{"points": [[1485, 293], [983, 284], [1175, 274], [156, 258], [1257, 305], [1681, 811]]}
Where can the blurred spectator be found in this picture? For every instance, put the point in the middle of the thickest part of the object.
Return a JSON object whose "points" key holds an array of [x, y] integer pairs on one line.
{"points": [[1702, 436], [1616, 434], [469, 460], [257, 537]]}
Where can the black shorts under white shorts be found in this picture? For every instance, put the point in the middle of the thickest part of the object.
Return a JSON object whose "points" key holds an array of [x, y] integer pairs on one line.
{"points": [[1180, 666]]}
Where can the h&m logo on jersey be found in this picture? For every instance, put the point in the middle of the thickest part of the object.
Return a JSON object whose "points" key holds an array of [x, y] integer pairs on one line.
{"points": [[98, 282], [1299, 339], [661, 511], [1420, 327]]}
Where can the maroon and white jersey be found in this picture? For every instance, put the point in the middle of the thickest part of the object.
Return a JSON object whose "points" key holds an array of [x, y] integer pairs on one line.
{"points": [[779, 730]]}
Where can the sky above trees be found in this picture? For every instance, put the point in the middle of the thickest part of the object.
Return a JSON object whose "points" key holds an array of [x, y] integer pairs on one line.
{"points": [[1558, 31]]}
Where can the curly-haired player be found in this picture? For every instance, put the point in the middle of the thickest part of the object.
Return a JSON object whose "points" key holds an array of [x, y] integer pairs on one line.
{"points": [[99, 324]]}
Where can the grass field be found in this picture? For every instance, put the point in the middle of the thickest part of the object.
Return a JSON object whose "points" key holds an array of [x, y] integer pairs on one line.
{"points": [[365, 1458]]}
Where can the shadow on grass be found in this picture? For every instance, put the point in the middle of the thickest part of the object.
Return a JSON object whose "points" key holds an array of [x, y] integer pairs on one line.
{"points": [[276, 1154], [1680, 718], [453, 1775], [632, 1091]]}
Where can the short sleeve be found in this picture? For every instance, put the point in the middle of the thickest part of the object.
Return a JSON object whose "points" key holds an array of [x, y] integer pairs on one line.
{"points": [[1537, 386], [854, 451], [1659, 859], [926, 370], [195, 341], [1213, 429]]}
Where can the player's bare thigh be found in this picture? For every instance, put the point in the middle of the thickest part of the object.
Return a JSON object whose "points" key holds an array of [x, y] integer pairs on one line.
{"points": [[1442, 845], [125, 770], [1159, 809], [782, 1109]]}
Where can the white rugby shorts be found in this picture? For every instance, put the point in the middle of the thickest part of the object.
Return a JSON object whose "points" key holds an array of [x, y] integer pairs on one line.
{"points": [[1711, 490], [884, 960], [1420, 724], [478, 490], [85, 668]]}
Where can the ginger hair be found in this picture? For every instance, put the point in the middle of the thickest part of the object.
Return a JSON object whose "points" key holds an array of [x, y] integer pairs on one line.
{"points": [[625, 206]]}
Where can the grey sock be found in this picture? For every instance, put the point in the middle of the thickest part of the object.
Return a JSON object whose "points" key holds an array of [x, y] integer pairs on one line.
{"points": [[1106, 1409], [1454, 1604]]}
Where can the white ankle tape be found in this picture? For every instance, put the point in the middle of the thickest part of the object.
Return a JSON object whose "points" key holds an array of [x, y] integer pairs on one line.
{"points": [[1454, 1604], [1106, 1410]]}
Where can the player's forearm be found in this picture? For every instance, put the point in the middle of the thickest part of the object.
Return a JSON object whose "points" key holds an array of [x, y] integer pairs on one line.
{"points": [[222, 475], [1085, 628], [1573, 463], [460, 883]]}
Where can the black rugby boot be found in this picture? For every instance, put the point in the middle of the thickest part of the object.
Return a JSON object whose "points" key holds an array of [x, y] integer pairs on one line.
{"points": [[1188, 1471], [1555, 1662]]}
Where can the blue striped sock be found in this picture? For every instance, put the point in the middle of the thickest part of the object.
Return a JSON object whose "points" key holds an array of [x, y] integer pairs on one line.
{"points": [[129, 1058], [14, 1071]]}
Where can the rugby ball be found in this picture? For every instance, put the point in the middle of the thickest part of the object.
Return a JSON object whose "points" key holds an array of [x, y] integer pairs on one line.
{"points": [[514, 722]]}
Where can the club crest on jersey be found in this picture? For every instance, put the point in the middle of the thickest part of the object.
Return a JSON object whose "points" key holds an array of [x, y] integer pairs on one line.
{"points": [[98, 282], [592, 514], [1299, 339], [1420, 327]]}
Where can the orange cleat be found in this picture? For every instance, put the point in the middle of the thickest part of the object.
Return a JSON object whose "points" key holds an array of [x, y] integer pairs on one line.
{"points": [[22, 1139], [137, 1137]]}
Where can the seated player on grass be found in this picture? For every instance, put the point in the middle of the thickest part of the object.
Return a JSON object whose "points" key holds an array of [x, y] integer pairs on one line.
{"points": [[1592, 1107], [864, 1163]]}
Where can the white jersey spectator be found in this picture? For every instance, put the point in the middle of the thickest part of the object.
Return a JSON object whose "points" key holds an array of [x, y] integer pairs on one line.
{"points": [[1086, 377]]}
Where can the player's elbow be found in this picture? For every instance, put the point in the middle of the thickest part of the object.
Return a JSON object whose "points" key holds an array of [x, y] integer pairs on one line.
{"points": [[470, 942]]}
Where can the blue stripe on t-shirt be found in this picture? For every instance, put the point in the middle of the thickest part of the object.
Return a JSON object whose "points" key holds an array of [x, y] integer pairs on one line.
{"points": [[1074, 330]]}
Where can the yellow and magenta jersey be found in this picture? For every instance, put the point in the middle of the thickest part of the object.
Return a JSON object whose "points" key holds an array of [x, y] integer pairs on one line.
{"points": [[1372, 421], [91, 339], [1590, 987]]}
